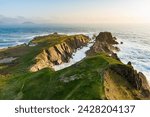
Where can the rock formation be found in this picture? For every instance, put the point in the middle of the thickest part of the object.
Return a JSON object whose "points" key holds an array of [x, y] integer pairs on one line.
{"points": [[104, 43], [125, 76], [59, 53], [100, 75], [119, 75]]}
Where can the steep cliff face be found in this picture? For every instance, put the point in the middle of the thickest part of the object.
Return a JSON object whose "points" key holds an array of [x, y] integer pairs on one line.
{"points": [[59, 53], [120, 81], [123, 82], [104, 43], [98, 76], [138, 80]]}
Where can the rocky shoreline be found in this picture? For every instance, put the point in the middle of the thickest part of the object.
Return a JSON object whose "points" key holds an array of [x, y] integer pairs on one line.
{"points": [[104, 43], [120, 81]]}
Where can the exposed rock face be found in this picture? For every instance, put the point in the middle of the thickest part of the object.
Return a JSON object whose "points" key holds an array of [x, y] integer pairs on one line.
{"points": [[104, 43], [59, 53], [115, 87], [138, 80], [120, 81], [106, 37], [115, 56], [131, 80]]}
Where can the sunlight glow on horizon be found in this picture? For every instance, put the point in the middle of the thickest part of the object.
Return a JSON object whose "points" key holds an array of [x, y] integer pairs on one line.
{"points": [[79, 11]]}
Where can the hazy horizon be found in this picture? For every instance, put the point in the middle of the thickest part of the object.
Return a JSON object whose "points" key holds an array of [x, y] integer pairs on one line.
{"points": [[77, 11]]}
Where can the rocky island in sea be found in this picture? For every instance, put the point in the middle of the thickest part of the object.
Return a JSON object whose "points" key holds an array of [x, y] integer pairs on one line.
{"points": [[29, 71]]}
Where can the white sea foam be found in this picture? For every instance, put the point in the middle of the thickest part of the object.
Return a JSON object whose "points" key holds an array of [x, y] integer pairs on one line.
{"points": [[136, 51], [135, 48], [77, 56]]}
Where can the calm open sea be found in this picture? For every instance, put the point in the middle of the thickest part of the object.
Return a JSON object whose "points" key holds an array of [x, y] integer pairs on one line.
{"points": [[135, 38]]}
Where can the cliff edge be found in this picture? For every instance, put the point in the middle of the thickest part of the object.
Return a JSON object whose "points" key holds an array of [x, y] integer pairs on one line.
{"points": [[59, 53], [28, 72], [120, 81]]}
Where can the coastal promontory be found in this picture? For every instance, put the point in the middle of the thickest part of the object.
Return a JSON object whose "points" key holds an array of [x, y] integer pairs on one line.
{"points": [[26, 71]]}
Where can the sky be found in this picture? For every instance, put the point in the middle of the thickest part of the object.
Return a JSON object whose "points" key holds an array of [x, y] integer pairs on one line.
{"points": [[78, 11]]}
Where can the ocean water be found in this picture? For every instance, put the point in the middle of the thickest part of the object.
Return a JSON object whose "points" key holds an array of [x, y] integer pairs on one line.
{"points": [[135, 38], [77, 56]]}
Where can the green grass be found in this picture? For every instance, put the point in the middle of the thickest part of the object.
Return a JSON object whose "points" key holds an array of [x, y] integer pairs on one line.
{"points": [[81, 81], [26, 55], [84, 80], [48, 84], [54, 39]]}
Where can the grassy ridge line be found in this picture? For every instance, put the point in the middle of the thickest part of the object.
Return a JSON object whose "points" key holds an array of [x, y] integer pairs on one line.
{"points": [[80, 81], [26, 54]]}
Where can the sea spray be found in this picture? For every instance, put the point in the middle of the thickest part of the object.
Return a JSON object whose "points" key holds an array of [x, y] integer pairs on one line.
{"points": [[77, 56]]}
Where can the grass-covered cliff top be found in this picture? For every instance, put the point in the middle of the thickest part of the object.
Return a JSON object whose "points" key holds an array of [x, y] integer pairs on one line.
{"points": [[55, 38], [83, 80], [25, 54], [91, 78]]}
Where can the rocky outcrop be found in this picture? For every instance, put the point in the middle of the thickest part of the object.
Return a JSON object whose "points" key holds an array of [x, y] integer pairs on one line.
{"points": [[59, 53], [127, 82], [115, 87], [104, 43], [137, 80], [120, 81]]}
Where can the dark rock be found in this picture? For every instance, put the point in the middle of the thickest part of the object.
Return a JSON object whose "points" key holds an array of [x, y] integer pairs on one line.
{"points": [[137, 80], [114, 38], [55, 33], [104, 43], [121, 42], [129, 63], [116, 49], [106, 37], [94, 36], [115, 56], [144, 86]]}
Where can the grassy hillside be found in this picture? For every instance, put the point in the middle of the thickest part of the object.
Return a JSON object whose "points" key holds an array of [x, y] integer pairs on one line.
{"points": [[80, 81], [84, 80], [26, 54], [16, 82], [90, 79]]}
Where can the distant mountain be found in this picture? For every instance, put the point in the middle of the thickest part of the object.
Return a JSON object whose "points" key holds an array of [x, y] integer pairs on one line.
{"points": [[28, 22], [16, 20]]}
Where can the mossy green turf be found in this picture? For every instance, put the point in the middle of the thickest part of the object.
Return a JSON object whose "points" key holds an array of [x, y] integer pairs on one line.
{"points": [[49, 84], [27, 54], [84, 79], [16, 82]]}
